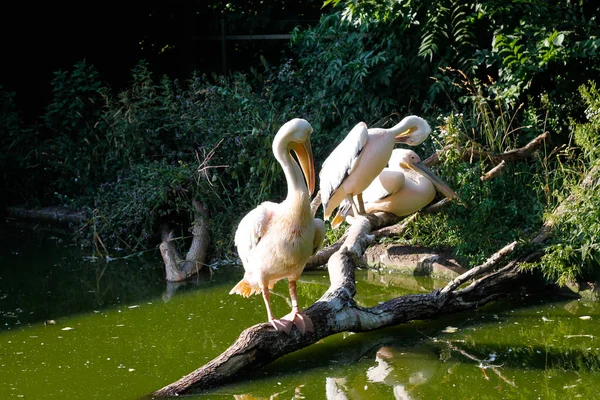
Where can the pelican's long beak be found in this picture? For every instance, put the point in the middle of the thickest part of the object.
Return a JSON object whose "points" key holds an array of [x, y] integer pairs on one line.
{"points": [[436, 180], [305, 157], [403, 137]]}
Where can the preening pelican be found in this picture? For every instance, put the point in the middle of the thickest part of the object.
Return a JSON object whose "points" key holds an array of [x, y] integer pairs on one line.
{"points": [[275, 240], [360, 157], [403, 188]]}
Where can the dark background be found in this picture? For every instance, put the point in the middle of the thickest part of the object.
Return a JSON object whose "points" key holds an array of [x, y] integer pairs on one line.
{"points": [[40, 38]]}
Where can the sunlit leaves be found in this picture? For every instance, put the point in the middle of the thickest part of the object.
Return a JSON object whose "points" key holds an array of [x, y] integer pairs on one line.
{"points": [[575, 251]]}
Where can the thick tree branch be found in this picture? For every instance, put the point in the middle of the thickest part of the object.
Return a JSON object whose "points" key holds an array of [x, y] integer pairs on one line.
{"points": [[323, 255], [336, 311], [473, 273], [396, 229]]}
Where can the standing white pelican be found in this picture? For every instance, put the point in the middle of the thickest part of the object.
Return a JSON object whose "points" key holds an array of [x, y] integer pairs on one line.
{"points": [[360, 157], [403, 188], [275, 240]]}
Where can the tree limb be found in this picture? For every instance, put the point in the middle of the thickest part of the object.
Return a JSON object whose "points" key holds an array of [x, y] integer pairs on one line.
{"points": [[336, 311], [490, 263], [494, 172], [470, 154]]}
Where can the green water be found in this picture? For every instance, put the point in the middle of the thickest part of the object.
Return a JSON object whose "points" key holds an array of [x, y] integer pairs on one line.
{"points": [[76, 329]]}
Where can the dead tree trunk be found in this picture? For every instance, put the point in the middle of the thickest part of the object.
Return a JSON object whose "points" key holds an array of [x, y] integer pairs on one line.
{"points": [[178, 269]]}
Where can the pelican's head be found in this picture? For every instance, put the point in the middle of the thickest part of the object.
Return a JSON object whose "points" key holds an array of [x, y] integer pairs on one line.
{"points": [[410, 160], [413, 130], [401, 157], [296, 135]]}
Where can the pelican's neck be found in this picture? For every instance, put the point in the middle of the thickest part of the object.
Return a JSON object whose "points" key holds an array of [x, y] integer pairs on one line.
{"points": [[293, 174], [399, 127]]}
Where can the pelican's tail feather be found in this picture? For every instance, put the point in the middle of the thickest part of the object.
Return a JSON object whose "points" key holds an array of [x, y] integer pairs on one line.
{"points": [[244, 288]]}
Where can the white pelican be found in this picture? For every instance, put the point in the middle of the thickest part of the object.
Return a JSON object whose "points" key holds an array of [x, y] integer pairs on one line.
{"points": [[403, 188], [275, 240], [360, 157]]}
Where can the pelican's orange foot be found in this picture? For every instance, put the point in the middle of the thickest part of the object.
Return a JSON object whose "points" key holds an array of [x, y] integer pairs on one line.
{"points": [[302, 322]]}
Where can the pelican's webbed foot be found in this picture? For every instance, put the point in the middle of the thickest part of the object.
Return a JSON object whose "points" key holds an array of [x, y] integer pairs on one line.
{"points": [[282, 325], [302, 322], [285, 323]]}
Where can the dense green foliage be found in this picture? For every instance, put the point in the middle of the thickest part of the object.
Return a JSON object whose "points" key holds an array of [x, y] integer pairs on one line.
{"points": [[575, 248], [487, 75]]}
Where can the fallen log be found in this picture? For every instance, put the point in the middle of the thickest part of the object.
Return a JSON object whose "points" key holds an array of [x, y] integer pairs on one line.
{"points": [[336, 311], [48, 214]]}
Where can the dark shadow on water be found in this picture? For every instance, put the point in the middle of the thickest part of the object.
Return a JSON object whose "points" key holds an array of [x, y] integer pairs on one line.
{"points": [[44, 277]]}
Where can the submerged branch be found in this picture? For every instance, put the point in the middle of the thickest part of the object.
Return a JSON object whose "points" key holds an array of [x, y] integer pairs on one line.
{"points": [[481, 363]]}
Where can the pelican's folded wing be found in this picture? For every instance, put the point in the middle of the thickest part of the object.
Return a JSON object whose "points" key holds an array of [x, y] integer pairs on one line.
{"points": [[252, 228], [388, 182], [341, 161]]}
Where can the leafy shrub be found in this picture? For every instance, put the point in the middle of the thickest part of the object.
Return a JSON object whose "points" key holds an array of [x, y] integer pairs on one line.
{"points": [[159, 133], [575, 248], [133, 206], [73, 131], [500, 210], [343, 74]]}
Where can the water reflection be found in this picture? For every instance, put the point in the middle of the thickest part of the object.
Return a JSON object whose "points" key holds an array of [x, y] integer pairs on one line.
{"points": [[296, 395], [129, 333], [404, 367], [204, 276], [400, 369]]}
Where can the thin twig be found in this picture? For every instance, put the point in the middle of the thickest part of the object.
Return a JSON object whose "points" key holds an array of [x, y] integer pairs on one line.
{"points": [[204, 165]]}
